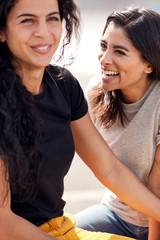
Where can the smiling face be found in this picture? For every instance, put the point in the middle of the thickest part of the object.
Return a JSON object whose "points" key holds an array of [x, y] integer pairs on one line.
{"points": [[33, 32], [122, 65]]}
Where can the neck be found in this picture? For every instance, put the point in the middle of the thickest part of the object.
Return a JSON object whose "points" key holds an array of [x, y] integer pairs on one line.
{"points": [[135, 94], [33, 80]]}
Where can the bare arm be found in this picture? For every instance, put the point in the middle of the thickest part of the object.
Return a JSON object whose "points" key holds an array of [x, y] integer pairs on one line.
{"points": [[94, 151], [13, 227], [154, 185]]}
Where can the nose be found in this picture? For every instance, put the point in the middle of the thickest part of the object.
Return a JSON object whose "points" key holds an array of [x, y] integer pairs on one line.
{"points": [[105, 57], [41, 29]]}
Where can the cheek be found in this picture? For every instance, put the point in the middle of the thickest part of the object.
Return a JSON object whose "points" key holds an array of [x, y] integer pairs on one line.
{"points": [[56, 32], [14, 44], [16, 37], [124, 66]]}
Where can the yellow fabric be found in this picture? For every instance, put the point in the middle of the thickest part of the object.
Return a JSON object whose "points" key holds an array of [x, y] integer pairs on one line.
{"points": [[63, 228]]}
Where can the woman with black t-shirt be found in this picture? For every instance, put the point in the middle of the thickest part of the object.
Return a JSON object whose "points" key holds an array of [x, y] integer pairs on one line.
{"points": [[43, 120]]}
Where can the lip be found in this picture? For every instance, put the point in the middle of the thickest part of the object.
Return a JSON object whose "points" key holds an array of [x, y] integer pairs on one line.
{"points": [[108, 70], [42, 48], [108, 77]]}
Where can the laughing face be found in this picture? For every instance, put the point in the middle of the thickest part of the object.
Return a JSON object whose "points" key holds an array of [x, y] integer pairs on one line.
{"points": [[122, 65], [33, 32]]}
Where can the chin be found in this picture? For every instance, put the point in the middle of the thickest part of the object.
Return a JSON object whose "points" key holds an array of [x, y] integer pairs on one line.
{"points": [[106, 88]]}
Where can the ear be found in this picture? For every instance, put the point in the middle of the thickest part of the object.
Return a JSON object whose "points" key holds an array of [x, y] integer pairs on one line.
{"points": [[2, 36], [148, 68]]}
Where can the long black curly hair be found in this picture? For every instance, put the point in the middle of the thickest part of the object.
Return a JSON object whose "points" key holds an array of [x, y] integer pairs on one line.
{"points": [[19, 124]]}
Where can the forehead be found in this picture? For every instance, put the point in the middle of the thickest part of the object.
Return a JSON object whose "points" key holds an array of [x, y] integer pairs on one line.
{"points": [[116, 34], [36, 7]]}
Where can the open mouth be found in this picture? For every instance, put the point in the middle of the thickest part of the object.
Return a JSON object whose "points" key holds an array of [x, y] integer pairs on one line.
{"points": [[42, 49], [110, 73]]}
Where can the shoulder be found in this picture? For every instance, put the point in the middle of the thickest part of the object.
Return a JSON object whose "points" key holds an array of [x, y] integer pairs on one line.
{"points": [[69, 87], [63, 78], [155, 92], [59, 73]]}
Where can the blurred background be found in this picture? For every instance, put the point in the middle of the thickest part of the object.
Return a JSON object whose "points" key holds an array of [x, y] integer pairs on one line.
{"points": [[82, 189]]}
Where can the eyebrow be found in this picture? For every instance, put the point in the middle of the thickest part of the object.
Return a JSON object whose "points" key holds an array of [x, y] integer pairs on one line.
{"points": [[32, 15], [116, 46], [121, 47]]}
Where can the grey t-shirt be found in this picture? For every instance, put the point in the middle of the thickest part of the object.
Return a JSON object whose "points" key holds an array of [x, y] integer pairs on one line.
{"points": [[135, 145]]}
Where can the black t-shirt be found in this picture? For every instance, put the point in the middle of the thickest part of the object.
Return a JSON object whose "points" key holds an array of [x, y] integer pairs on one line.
{"points": [[61, 102]]}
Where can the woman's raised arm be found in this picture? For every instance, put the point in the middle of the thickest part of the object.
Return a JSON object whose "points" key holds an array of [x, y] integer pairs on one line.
{"points": [[154, 185], [94, 151]]}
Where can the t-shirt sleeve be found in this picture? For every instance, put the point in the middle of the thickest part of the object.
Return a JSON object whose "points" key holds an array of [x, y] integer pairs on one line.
{"points": [[74, 95], [71, 90], [79, 106]]}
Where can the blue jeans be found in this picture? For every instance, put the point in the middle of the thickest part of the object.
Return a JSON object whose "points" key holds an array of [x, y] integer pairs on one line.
{"points": [[100, 218]]}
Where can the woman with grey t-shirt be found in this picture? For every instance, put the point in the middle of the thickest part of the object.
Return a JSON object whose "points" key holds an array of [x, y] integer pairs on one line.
{"points": [[125, 107]]}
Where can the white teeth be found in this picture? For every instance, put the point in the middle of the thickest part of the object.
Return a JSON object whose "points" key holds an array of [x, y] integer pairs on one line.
{"points": [[110, 72], [42, 48]]}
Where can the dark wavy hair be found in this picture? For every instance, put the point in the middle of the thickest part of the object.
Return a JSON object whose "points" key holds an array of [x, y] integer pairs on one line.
{"points": [[142, 27], [19, 123]]}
